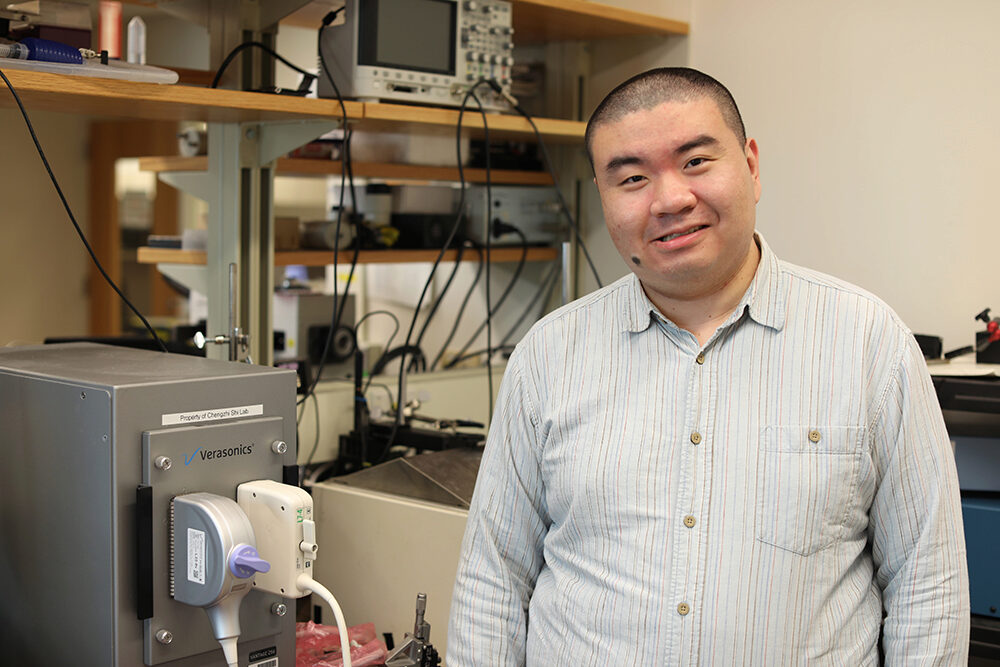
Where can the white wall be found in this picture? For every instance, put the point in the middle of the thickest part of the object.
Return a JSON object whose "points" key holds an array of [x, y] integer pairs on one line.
{"points": [[877, 131]]}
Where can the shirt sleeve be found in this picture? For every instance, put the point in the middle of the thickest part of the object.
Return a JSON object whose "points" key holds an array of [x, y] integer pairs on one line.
{"points": [[918, 540], [502, 548]]}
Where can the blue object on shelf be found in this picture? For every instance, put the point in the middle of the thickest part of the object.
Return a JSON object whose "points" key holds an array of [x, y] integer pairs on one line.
{"points": [[53, 52]]}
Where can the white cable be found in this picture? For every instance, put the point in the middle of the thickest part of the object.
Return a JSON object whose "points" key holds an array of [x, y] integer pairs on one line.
{"points": [[229, 650], [306, 582]]}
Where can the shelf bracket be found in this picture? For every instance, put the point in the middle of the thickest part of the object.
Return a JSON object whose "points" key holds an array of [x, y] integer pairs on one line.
{"points": [[195, 183], [191, 276], [276, 139]]}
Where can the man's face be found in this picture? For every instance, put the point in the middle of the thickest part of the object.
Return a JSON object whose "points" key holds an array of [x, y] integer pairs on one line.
{"points": [[679, 194]]}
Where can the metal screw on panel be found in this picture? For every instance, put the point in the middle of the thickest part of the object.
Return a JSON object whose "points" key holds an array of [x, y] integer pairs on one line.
{"points": [[164, 636], [83, 395], [279, 609], [279, 447], [163, 463]]}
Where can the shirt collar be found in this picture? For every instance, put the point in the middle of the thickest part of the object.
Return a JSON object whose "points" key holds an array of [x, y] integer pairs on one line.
{"points": [[764, 300]]}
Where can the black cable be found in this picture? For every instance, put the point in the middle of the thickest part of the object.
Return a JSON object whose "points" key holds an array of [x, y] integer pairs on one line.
{"points": [[316, 440], [555, 182], [264, 47], [437, 261], [546, 287], [489, 260], [380, 312], [461, 310], [335, 317], [417, 362], [472, 355], [503, 297], [444, 291], [72, 218], [347, 173]]}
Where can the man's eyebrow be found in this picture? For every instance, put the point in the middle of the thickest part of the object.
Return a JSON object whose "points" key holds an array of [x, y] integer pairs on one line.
{"points": [[698, 142], [622, 161]]}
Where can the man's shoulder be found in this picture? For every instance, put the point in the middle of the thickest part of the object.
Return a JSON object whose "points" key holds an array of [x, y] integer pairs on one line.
{"points": [[604, 303], [816, 284]]}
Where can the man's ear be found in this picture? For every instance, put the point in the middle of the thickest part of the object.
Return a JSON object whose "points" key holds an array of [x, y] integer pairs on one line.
{"points": [[753, 163]]}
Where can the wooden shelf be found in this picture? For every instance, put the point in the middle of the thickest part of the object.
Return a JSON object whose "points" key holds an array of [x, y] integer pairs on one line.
{"points": [[384, 117], [537, 21], [152, 101], [382, 170], [325, 257], [130, 99]]}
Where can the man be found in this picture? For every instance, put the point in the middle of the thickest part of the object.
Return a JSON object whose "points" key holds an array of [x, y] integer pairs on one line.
{"points": [[720, 459]]}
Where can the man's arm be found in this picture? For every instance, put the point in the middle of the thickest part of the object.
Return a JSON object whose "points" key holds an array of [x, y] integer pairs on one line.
{"points": [[916, 524], [502, 549]]}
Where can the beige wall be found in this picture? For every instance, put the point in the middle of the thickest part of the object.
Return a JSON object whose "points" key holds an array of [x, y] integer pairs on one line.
{"points": [[43, 265], [877, 130]]}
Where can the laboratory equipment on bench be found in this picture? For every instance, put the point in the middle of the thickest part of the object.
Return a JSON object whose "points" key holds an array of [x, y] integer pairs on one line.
{"points": [[416, 649], [302, 320], [122, 542], [374, 441]]}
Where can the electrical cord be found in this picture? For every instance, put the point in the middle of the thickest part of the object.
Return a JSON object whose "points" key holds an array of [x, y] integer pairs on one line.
{"points": [[555, 181], [489, 261], [461, 310], [306, 582], [335, 317], [401, 400], [230, 648], [72, 218], [347, 172], [303, 87], [316, 401], [473, 355], [316, 438], [444, 291], [503, 297], [546, 286], [380, 312]]}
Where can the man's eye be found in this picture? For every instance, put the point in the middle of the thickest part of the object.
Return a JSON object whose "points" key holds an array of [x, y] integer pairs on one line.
{"points": [[632, 179], [696, 162]]}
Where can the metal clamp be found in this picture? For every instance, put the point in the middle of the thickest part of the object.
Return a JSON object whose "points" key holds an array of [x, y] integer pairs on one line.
{"points": [[237, 340]]}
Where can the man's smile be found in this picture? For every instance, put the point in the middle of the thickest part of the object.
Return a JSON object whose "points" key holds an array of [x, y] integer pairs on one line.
{"points": [[671, 237]]}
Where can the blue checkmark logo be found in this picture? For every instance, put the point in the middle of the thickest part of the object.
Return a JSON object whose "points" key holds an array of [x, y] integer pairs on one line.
{"points": [[187, 459]]}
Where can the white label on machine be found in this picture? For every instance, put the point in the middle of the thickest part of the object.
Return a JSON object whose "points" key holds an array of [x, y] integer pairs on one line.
{"points": [[270, 662], [196, 556], [212, 415], [267, 657]]}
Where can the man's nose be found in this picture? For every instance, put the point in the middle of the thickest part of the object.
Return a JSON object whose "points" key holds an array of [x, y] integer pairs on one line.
{"points": [[673, 195]]}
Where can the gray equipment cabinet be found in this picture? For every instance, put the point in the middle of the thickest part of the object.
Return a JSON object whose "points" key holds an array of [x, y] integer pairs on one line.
{"points": [[96, 441]]}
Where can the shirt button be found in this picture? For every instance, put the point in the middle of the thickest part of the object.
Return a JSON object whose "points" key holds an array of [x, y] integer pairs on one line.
{"points": [[814, 436], [683, 609], [696, 437], [701, 358], [689, 521]]}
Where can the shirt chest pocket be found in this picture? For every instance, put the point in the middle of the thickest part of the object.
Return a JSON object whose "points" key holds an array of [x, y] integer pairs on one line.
{"points": [[809, 486]]}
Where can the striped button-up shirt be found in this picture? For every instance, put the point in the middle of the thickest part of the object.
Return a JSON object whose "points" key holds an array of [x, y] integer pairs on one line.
{"points": [[759, 500]]}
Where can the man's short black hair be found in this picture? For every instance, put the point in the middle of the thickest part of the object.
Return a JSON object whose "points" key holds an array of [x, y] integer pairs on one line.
{"points": [[664, 84]]}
